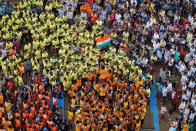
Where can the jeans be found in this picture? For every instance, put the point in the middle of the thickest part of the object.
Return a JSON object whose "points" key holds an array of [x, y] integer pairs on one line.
{"points": [[69, 21], [164, 99]]}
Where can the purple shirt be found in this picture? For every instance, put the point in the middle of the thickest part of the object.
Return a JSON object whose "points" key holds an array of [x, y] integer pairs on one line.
{"points": [[74, 5], [16, 44]]}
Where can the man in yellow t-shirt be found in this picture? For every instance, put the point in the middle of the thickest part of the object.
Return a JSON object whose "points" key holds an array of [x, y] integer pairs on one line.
{"points": [[102, 92]]}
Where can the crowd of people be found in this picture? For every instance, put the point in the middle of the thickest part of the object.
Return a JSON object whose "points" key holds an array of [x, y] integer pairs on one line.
{"points": [[48, 48], [44, 54], [175, 44], [105, 102]]}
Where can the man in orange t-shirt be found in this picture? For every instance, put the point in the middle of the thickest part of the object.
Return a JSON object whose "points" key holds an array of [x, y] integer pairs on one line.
{"points": [[89, 12], [17, 121], [81, 9], [86, 7], [21, 68], [78, 126], [53, 128], [93, 17]]}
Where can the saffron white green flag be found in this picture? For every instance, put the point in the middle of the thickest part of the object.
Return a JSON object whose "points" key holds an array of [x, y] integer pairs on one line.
{"points": [[102, 42]]}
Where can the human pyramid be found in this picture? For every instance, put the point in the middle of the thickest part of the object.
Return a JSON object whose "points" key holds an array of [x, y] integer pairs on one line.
{"points": [[60, 55]]}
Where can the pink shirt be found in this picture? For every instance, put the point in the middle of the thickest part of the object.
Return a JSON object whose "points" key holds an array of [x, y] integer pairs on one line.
{"points": [[175, 23], [112, 16]]}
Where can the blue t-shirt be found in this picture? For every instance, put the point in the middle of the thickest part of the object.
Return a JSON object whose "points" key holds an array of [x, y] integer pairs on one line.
{"points": [[28, 66], [5, 5], [160, 87], [37, 119], [2, 10], [176, 56], [146, 18], [38, 10], [9, 9], [61, 13]]}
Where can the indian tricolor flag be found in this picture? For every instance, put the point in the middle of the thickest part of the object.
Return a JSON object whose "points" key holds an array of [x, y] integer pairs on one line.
{"points": [[103, 41]]}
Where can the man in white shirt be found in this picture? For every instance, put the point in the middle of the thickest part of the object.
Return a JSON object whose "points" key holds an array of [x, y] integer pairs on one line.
{"points": [[159, 54], [70, 15], [191, 19], [186, 113], [145, 61], [193, 101], [192, 115], [172, 50], [148, 24], [133, 1], [156, 36], [184, 78], [4, 51], [192, 50], [182, 106], [83, 15], [156, 44], [164, 93], [68, 2], [188, 93], [187, 57], [118, 16], [167, 54], [170, 63], [126, 16], [163, 110], [177, 65], [169, 87], [182, 67], [191, 84], [162, 75]]}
